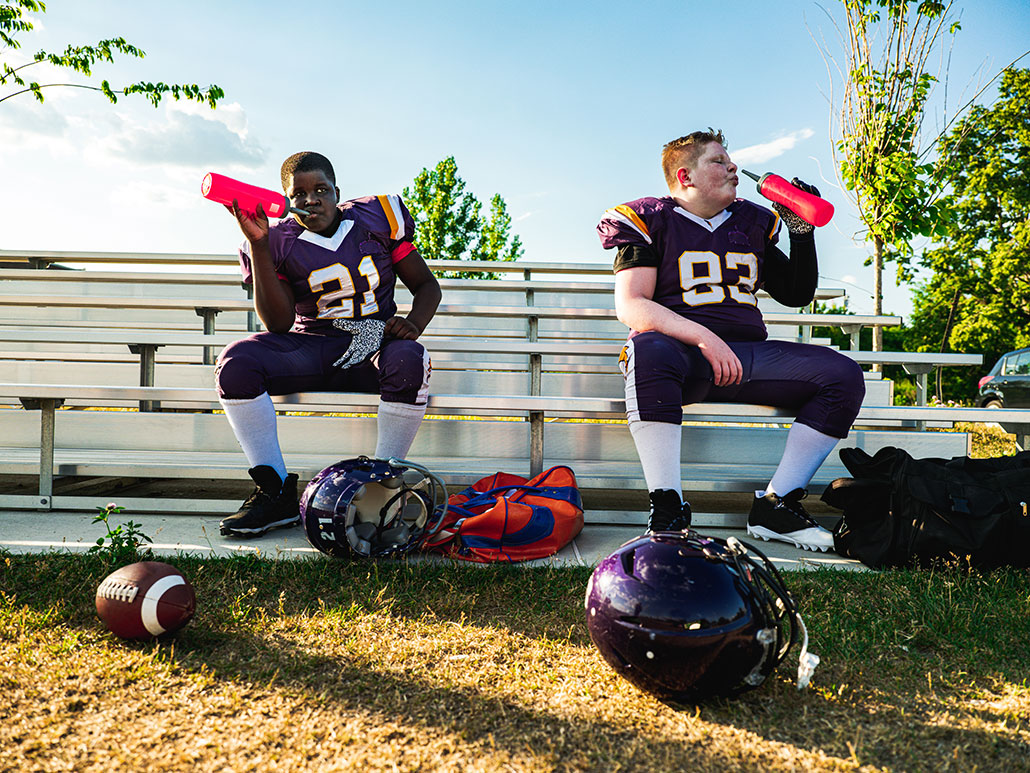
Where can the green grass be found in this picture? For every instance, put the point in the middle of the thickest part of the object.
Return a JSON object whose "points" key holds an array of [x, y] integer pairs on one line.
{"points": [[326, 665]]}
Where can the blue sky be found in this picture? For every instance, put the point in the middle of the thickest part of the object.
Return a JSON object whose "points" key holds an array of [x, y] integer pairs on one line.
{"points": [[561, 108]]}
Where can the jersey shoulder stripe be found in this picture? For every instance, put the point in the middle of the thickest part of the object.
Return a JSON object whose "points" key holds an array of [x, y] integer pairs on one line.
{"points": [[774, 229], [635, 222], [391, 205], [624, 214], [385, 216]]}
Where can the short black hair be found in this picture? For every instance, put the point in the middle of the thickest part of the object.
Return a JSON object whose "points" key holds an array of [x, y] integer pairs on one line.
{"points": [[306, 161]]}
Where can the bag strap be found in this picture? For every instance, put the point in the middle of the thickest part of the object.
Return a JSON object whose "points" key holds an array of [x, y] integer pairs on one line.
{"points": [[492, 494]]}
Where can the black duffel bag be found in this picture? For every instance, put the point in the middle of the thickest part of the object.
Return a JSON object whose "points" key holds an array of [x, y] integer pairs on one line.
{"points": [[901, 511]]}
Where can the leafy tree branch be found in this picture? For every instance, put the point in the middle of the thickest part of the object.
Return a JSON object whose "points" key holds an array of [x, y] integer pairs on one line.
{"points": [[81, 59]]}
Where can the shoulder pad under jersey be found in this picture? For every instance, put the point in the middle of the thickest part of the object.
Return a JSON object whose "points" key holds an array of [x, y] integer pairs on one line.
{"points": [[635, 222], [384, 216]]}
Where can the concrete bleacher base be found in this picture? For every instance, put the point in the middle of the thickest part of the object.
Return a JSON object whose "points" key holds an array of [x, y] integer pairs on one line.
{"points": [[198, 536]]}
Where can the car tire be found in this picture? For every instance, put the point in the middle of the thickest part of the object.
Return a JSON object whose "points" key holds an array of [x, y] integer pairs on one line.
{"points": [[993, 404]]}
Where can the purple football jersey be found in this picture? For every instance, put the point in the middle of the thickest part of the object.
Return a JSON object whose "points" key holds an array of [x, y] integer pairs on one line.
{"points": [[348, 275], [708, 272]]}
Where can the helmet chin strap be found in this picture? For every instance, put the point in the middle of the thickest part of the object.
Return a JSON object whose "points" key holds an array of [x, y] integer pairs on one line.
{"points": [[438, 495], [807, 661]]}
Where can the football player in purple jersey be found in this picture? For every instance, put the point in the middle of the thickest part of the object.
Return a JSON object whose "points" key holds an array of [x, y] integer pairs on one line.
{"points": [[324, 290], [687, 267]]}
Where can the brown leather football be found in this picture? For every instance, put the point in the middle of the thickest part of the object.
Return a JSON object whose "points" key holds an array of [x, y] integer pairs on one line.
{"points": [[145, 600]]}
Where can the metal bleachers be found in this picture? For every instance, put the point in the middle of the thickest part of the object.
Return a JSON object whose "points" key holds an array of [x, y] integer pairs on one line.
{"points": [[524, 377]]}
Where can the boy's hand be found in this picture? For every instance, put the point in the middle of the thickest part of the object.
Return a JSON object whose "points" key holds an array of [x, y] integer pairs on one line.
{"points": [[795, 225], [726, 367], [399, 327], [254, 227]]}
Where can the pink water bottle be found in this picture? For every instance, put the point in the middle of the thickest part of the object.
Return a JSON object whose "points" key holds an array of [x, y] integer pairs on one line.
{"points": [[222, 189], [808, 207]]}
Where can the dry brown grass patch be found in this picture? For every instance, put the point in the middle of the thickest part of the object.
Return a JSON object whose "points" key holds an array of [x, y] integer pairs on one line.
{"points": [[318, 665]]}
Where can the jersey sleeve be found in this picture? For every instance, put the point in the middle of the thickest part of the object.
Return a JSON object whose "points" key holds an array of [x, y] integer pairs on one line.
{"points": [[245, 270], [279, 241], [792, 281], [627, 224], [388, 218], [635, 256]]}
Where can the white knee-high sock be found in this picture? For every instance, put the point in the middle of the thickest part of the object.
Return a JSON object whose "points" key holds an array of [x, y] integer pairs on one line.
{"points": [[253, 423], [396, 427], [658, 446], [806, 449]]}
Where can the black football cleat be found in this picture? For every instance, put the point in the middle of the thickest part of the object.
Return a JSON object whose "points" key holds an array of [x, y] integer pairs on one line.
{"points": [[667, 513], [784, 518], [272, 505]]}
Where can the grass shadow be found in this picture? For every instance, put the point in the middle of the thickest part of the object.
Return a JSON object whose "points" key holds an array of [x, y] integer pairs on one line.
{"points": [[304, 629]]}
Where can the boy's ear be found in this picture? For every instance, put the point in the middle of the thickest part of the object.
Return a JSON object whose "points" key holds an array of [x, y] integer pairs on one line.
{"points": [[683, 176]]}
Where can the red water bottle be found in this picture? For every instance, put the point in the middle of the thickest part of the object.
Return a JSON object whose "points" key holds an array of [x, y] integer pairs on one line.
{"points": [[807, 206], [222, 189]]}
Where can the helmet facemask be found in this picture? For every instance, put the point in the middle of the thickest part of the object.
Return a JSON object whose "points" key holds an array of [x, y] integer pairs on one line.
{"points": [[369, 507]]}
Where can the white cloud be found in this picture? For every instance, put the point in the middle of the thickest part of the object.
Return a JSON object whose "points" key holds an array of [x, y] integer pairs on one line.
{"points": [[36, 21], [232, 116], [23, 120], [168, 197], [757, 154], [181, 135], [189, 137]]}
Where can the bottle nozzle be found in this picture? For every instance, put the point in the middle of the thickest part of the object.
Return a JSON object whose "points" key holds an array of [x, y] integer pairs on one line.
{"points": [[752, 175]]}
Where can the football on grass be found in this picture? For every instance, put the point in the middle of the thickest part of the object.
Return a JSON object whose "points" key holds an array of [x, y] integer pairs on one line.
{"points": [[145, 599]]}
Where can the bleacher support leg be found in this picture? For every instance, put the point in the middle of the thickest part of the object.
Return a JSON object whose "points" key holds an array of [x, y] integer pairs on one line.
{"points": [[920, 372], [536, 419], [208, 315], [252, 320], [47, 409], [536, 443], [855, 333], [147, 357]]}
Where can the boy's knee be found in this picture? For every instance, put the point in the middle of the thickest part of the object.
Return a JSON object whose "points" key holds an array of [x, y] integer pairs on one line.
{"points": [[237, 373], [403, 371], [851, 378], [654, 347], [849, 385], [403, 351]]}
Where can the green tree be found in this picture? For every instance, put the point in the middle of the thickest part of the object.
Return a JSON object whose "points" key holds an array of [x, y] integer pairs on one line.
{"points": [[886, 85], [977, 297], [496, 242], [450, 224], [80, 59]]}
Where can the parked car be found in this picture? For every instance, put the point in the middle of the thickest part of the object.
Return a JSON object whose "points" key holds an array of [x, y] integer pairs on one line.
{"points": [[1008, 383]]}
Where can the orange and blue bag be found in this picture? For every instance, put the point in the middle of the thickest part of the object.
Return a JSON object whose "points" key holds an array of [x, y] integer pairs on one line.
{"points": [[505, 517]]}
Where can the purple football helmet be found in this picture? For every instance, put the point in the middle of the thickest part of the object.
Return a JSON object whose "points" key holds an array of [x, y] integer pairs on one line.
{"points": [[368, 507], [687, 617]]}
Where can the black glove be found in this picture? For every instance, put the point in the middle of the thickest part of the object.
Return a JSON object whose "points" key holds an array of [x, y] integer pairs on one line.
{"points": [[366, 338], [795, 225]]}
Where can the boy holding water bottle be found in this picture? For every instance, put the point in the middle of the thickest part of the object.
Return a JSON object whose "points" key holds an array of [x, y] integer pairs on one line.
{"points": [[688, 266], [324, 290]]}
